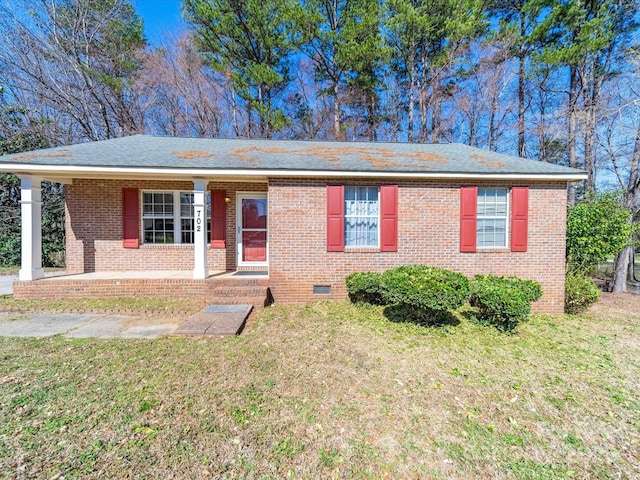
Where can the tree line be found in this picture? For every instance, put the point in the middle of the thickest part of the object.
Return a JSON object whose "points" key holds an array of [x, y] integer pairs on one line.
{"points": [[552, 80]]}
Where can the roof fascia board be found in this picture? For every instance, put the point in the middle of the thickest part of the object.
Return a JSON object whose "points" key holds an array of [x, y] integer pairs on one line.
{"points": [[188, 173]]}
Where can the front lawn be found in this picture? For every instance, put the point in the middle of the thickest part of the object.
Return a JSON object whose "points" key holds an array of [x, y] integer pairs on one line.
{"points": [[330, 391]]}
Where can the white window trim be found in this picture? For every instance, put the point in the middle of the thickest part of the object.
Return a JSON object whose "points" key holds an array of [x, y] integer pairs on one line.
{"points": [[177, 216], [379, 217], [506, 219]]}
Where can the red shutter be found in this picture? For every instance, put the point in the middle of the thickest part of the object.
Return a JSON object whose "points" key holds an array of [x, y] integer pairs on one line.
{"points": [[335, 218], [130, 218], [519, 218], [218, 219], [468, 218], [389, 218]]}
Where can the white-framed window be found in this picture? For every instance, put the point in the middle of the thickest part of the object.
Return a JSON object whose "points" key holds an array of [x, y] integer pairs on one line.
{"points": [[493, 209], [167, 217], [361, 216]]}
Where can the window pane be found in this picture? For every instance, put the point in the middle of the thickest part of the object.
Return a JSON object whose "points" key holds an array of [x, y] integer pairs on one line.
{"points": [[186, 204], [492, 217], [157, 215], [362, 209], [254, 213], [187, 230]]}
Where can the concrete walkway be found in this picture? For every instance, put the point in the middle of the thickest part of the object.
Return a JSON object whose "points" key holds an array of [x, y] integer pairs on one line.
{"points": [[6, 284], [214, 320], [219, 320], [81, 325]]}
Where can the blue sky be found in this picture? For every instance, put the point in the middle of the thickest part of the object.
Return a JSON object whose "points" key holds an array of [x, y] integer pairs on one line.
{"points": [[161, 17]]}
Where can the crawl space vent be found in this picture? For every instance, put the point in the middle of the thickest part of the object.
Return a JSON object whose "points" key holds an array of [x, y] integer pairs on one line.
{"points": [[321, 289]]}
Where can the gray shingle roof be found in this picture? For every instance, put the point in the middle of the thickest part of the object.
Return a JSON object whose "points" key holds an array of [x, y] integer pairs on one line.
{"points": [[217, 155]]}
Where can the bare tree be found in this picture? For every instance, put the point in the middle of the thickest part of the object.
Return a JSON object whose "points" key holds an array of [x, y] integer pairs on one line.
{"points": [[178, 94], [73, 61]]}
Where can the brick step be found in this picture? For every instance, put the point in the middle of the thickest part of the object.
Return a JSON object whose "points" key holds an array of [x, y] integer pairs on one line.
{"points": [[238, 291], [258, 296], [257, 302]]}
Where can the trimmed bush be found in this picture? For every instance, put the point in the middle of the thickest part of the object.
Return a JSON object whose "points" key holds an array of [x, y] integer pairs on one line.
{"points": [[579, 293], [365, 287], [503, 301], [425, 288]]}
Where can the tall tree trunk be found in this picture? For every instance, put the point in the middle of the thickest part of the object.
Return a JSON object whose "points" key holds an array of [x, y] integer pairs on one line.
{"points": [[492, 122], [621, 271], [592, 91], [436, 108], [234, 112], [412, 103], [336, 112], [573, 127], [521, 89]]}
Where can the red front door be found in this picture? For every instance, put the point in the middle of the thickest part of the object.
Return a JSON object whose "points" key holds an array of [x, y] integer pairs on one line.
{"points": [[252, 228]]}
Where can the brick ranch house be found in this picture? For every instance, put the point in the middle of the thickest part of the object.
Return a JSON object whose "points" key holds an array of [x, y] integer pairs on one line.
{"points": [[152, 215]]}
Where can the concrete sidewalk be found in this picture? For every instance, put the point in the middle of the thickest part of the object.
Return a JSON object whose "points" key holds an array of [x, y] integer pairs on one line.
{"points": [[82, 325], [6, 284]]}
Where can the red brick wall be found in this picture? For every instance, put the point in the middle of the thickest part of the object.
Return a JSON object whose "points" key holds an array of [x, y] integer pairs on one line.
{"points": [[94, 229], [428, 233]]}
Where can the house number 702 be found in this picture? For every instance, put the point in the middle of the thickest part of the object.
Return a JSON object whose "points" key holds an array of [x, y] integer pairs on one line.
{"points": [[198, 220]]}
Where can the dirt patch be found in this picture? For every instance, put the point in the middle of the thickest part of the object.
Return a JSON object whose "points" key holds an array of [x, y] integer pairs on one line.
{"points": [[617, 305], [377, 157], [190, 154], [491, 164], [31, 156]]}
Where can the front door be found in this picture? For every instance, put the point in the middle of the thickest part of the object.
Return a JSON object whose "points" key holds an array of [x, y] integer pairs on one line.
{"points": [[252, 231]]}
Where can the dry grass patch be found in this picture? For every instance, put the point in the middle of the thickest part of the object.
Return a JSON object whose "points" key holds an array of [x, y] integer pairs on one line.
{"points": [[125, 305], [328, 391]]}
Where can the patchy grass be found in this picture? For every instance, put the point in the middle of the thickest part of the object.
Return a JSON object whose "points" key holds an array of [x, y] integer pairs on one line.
{"points": [[9, 270], [330, 391], [13, 269], [129, 304]]}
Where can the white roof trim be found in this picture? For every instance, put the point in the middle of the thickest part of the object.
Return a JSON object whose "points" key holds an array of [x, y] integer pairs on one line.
{"points": [[77, 171]]}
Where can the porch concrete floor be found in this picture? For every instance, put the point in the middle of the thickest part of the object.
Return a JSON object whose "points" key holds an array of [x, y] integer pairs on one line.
{"points": [[146, 274]]}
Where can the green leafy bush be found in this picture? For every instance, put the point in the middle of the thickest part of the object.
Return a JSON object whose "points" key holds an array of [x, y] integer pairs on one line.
{"points": [[425, 288], [579, 293], [503, 301], [597, 229], [365, 287]]}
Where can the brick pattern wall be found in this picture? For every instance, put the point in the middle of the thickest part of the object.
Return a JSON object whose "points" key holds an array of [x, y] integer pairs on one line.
{"points": [[225, 290], [94, 229], [428, 233]]}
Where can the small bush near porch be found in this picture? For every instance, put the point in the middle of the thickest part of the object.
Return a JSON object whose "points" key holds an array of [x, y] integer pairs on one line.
{"points": [[332, 390]]}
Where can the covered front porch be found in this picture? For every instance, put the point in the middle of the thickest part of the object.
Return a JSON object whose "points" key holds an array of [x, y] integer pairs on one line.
{"points": [[206, 226]]}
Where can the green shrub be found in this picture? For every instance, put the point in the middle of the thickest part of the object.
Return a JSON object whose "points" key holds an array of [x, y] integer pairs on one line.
{"points": [[579, 293], [503, 301], [365, 287], [598, 228], [425, 288]]}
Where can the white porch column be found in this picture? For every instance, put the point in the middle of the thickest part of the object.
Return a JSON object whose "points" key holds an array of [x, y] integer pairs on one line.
{"points": [[200, 247], [31, 211]]}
